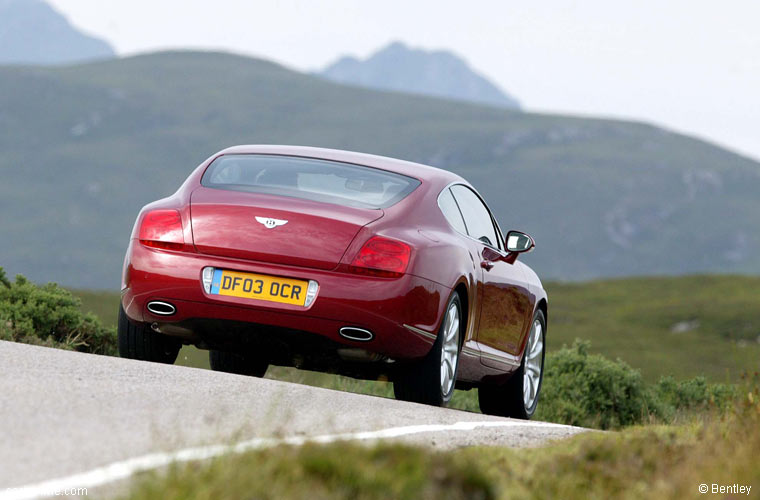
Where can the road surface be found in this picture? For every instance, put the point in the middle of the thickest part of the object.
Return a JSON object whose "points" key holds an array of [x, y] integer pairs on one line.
{"points": [[65, 413]]}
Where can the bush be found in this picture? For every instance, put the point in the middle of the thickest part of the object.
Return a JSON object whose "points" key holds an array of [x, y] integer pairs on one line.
{"points": [[692, 395], [49, 315], [590, 390]]}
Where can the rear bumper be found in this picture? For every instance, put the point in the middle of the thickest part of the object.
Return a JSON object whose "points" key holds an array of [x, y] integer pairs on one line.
{"points": [[381, 305]]}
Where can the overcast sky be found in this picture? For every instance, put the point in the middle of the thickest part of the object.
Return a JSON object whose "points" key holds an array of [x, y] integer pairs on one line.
{"points": [[689, 65]]}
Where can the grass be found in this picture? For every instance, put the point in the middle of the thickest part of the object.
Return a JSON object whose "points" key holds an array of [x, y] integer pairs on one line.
{"points": [[632, 319], [637, 320], [653, 462]]}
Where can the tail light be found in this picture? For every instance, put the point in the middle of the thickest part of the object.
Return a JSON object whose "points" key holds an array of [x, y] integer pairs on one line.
{"points": [[382, 257], [162, 229]]}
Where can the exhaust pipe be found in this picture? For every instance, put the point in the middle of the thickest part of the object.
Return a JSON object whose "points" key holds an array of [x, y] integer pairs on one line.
{"points": [[356, 334], [161, 308]]}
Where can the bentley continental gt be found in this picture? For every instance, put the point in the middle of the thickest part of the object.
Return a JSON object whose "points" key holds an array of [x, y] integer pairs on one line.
{"points": [[339, 262]]}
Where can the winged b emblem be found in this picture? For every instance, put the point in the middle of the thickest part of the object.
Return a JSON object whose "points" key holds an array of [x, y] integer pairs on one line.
{"points": [[271, 223]]}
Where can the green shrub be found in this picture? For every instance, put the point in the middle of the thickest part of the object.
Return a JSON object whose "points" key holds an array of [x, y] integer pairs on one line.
{"points": [[590, 390], [692, 395], [49, 315]]}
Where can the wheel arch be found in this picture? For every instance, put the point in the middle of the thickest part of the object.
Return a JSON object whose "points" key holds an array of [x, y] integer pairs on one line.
{"points": [[462, 291], [544, 308]]}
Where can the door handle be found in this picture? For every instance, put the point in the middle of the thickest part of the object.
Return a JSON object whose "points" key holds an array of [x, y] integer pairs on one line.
{"points": [[486, 264]]}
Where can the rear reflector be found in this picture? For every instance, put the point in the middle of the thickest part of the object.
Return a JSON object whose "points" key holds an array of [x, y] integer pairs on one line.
{"points": [[162, 229], [382, 257]]}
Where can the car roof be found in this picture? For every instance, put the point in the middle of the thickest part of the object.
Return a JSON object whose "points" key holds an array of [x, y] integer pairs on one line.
{"points": [[408, 168]]}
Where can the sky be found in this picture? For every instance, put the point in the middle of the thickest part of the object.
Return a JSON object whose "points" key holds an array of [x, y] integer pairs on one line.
{"points": [[691, 66]]}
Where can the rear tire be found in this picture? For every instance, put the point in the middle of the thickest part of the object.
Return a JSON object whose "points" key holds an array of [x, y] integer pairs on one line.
{"points": [[138, 341], [229, 362], [432, 381], [518, 398]]}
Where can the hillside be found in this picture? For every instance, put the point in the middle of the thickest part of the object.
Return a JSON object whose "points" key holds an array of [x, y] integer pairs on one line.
{"points": [[32, 32], [435, 73], [82, 148]]}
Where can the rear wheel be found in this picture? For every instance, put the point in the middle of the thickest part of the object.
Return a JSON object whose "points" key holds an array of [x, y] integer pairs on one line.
{"points": [[432, 381], [518, 398], [222, 361], [138, 341]]}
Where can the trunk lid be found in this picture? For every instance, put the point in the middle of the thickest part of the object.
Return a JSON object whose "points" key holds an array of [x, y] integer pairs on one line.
{"points": [[274, 229]]}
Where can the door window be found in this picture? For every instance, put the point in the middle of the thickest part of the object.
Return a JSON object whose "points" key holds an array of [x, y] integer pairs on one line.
{"points": [[476, 215], [451, 211]]}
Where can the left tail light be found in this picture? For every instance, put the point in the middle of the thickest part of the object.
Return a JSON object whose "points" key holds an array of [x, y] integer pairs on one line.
{"points": [[162, 229], [382, 257]]}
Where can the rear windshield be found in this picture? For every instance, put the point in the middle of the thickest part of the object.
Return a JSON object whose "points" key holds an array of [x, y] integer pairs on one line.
{"points": [[319, 180]]}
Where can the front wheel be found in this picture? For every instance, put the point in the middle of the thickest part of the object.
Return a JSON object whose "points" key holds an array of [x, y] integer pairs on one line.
{"points": [[518, 398], [432, 380], [138, 341]]}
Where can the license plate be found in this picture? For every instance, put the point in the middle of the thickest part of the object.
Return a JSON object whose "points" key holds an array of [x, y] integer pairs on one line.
{"points": [[259, 286]]}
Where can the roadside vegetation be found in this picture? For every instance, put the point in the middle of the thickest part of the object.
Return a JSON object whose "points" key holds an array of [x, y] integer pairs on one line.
{"points": [[50, 316], [589, 390], [682, 326], [650, 461]]}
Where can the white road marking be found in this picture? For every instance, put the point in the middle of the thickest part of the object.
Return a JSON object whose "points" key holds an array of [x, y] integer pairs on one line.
{"points": [[126, 468]]}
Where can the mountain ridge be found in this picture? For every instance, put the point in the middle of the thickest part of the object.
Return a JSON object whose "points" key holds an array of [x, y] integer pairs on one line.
{"points": [[32, 32], [438, 73]]}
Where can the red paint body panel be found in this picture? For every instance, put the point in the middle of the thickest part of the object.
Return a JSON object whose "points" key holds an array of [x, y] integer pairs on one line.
{"points": [[317, 243], [316, 234]]}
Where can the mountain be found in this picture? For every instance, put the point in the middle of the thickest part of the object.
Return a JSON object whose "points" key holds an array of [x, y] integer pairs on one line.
{"points": [[83, 147], [439, 73], [32, 32]]}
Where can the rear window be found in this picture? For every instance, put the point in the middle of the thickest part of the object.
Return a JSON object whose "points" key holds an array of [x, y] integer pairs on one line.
{"points": [[319, 180]]}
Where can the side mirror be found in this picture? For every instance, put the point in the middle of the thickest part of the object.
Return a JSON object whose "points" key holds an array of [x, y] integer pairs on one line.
{"points": [[516, 243]]}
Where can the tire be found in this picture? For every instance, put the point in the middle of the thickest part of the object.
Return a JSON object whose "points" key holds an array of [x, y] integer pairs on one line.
{"points": [[510, 399], [432, 380], [138, 341], [222, 361]]}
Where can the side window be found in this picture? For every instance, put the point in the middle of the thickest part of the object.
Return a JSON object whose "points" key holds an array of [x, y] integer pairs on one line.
{"points": [[477, 218], [451, 211]]}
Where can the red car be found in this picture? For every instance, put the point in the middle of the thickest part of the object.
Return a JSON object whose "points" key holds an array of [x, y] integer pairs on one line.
{"points": [[338, 262]]}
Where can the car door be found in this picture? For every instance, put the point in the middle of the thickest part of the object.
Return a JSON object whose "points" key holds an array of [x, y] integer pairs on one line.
{"points": [[506, 302]]}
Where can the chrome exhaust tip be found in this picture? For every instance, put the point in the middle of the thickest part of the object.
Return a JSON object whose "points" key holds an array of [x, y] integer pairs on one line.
{"points": [[356, 334], [161, 308]]}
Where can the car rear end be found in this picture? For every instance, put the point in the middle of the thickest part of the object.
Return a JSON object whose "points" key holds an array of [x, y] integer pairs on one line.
{"points": [[289, 255]]}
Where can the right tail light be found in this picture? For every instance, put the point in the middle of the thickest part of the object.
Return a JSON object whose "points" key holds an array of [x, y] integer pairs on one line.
{"points": [[383, 257]]}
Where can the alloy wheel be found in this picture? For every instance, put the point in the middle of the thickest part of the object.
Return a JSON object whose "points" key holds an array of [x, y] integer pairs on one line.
{"points": [[450, 349], [534, 360]]}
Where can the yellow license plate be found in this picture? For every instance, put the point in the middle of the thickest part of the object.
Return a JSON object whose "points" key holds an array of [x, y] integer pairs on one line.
{"points": [[259, 286]]}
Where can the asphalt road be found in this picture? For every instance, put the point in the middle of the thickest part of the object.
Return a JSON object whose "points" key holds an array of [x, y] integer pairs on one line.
{"points": [[65, 413]]}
